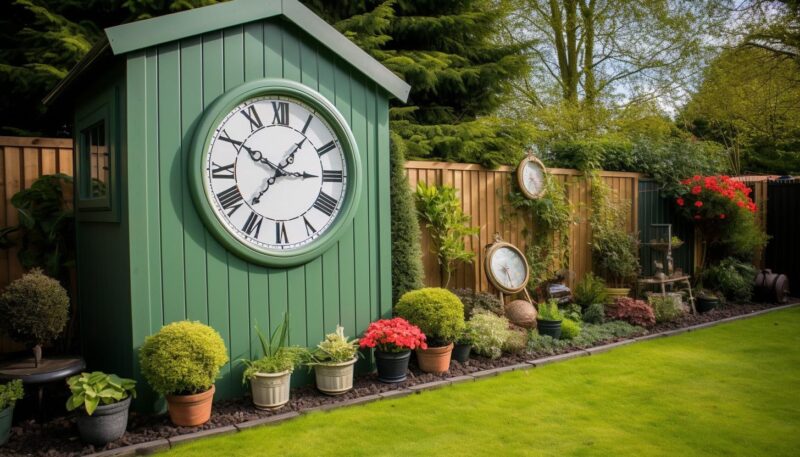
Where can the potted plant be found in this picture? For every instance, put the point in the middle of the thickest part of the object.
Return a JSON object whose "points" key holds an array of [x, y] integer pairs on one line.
{"points": [[104, 400], [439, 313], [463, 345], [181, 362], [333, 362], [34, 309], [614, 250], [548, 322], [393, 341], [9, 394], [705, 301], [270, 376]]}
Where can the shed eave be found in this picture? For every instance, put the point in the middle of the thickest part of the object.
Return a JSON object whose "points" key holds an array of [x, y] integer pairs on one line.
{"points": [[171, 27], [95, 53]]}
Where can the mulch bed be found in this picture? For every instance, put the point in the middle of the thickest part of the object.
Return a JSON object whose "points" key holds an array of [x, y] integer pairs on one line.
{"points": [[59, 437]]}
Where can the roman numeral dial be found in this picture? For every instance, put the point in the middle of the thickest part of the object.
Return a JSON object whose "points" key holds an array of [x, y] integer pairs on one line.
{"points": [[276, 173]]}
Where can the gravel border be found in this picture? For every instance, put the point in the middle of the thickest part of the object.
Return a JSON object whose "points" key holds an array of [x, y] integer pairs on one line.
{"points": [[148, 434]]}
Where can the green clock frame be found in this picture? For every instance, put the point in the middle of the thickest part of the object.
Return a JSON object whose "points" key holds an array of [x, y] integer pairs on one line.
{"points": [[199, 151]]}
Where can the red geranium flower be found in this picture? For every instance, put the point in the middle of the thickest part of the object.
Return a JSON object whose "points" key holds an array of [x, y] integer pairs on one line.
{"points": [[680, 201], [698, 203], [393, 335], [696, 190], [722, 216]]}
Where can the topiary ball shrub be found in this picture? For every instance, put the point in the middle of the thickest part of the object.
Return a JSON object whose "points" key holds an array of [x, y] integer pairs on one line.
{"points": [[569, 329], [437, 312], [183, 358], [594, 314], [634, 312], [490, 334], [34, 308]]}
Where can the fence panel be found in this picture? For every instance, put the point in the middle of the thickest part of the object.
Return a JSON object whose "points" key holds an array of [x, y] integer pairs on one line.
{"points": [[22, 161], [655, 209], [483, 198]]}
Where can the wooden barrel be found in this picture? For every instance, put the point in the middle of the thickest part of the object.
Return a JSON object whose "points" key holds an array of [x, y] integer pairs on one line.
{"points": [[771, 287]]}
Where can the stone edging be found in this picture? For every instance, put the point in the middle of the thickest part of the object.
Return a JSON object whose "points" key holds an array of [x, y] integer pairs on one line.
{"points": [[151, 447]]}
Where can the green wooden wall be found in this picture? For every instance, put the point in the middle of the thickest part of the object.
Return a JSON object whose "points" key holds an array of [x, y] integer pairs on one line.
{"points": [[178, 269], [654, 208]]}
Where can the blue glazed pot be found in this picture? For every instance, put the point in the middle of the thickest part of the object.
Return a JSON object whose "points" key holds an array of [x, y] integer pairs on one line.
{"points": [[5, 424]]}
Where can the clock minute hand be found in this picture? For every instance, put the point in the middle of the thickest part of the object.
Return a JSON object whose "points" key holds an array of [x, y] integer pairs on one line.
{"points": [[290, 158], [295, 174]]}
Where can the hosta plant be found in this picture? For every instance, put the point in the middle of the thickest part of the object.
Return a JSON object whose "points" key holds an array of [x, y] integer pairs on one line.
{"points": [[89, 390]]}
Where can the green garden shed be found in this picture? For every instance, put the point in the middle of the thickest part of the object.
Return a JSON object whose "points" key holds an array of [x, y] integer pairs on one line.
{"points": [[232, 165]]}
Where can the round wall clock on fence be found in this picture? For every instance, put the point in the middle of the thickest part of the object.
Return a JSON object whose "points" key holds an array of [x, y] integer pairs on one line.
{"points": [[275, 172], [532, 177], [506, 267]]}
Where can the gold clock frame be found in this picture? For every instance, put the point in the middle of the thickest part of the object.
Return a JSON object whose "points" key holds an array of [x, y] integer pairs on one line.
{"points": [[490, 250], [530, 158]]}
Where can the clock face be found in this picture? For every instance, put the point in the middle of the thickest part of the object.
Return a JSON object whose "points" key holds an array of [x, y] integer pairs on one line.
{"points": [[508, 268], [531, 175], [275, 173]]}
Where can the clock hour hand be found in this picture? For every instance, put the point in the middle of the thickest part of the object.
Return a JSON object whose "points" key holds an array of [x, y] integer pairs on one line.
{"points": [[270, 181], [254, 154]]}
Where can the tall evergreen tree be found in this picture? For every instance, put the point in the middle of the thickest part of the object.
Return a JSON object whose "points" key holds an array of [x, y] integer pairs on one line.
{"points": [[460, 73]]}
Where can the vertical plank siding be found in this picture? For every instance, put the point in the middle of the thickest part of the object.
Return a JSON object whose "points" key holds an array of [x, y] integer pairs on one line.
{"points": [[22, 161], [483, 195], [200, 280]]}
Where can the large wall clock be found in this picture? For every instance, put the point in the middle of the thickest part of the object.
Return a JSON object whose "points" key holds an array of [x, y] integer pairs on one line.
{"points": [[532, 177], [275, 172]]}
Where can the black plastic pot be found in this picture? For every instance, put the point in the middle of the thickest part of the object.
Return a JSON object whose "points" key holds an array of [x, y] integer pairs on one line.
{"points": [[392, 366], [548, 327], [5, 424], [106, 424], [461, 352], [705, 304]]}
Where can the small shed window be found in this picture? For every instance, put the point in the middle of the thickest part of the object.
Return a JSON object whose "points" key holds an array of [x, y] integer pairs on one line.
{"points": [[95, 154]]}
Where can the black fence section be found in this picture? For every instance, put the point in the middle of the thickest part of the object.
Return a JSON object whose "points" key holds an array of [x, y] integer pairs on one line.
{"points": [[654, 208], [783, 216]]}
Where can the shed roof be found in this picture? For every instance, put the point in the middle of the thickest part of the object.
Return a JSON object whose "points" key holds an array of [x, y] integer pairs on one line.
{"points": [[171, 27]]}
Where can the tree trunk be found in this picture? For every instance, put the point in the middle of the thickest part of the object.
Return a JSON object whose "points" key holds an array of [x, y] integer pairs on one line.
{"points": [[589, 83]]}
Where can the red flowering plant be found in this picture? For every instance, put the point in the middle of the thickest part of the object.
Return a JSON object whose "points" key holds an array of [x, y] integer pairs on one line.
{"points": [[722, 208], [393, 335]]}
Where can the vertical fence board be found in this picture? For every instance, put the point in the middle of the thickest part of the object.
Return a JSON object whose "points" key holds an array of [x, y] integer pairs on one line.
{"points": [[22, 161]]}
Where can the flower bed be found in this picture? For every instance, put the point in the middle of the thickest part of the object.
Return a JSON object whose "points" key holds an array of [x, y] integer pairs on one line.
{"points": [[59, 437]]}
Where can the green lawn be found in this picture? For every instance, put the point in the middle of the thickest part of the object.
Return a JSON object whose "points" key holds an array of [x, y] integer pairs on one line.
{"points": [[729, 390]]}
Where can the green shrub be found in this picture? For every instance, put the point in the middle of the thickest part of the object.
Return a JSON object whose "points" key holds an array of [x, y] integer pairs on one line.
{"points": [[182, 358], [490, 334], [90, 390], [548, 311], [10, 393], [732, 278], [34, 308], [615, 252], [569, 329], [664, 308], [437, 312], [478, 302], [590, 290], [594, 314], [516, 342], [447, 224], [407, 272], [572, 311]]}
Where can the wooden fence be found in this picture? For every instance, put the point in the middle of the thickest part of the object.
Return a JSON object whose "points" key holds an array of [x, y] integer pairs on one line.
{"points": [[483, 197], [22, 161]]}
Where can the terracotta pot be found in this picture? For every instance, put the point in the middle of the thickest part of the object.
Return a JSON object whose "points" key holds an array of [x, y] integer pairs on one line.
{"points": [[190, 410], [435, 360], [335, 378], [616, 292], [271, 390]]}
